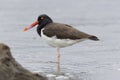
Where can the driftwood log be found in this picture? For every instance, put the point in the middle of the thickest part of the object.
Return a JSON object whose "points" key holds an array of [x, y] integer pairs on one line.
{"points": [[10, 69]]}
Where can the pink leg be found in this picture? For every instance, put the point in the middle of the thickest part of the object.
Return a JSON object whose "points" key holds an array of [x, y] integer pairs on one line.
{"points": [[58, 56]]}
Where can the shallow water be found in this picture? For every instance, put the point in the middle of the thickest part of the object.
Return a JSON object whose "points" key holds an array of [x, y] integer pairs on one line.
{"points": [[88, 60]]}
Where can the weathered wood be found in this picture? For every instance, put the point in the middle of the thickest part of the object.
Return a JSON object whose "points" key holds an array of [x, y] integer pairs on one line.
{"points": [[10, 69]]}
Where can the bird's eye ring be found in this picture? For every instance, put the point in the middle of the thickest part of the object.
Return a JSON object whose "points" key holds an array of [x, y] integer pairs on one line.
{"points": [[42, 18]]}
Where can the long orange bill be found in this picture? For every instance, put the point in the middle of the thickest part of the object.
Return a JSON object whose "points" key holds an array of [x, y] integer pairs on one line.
{"points": [[30, 26]]}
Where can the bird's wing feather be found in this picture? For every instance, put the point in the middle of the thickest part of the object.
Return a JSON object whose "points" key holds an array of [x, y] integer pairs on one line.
{"points": [[63, 31]]}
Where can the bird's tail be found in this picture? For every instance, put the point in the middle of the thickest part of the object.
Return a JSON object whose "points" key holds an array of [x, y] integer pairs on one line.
{"points": [[94, 38]]}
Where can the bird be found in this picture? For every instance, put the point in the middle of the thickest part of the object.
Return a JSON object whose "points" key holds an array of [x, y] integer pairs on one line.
{"points": [[58, 35]]}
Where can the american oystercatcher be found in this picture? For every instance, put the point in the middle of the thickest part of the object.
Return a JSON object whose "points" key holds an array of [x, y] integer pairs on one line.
{"points": [[58, 35]]}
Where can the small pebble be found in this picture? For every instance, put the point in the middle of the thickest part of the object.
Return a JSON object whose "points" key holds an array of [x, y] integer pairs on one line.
{"points": [[51, 77], [62, 78]]}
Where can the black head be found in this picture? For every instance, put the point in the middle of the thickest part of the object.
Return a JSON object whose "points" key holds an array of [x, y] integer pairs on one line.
{"points": [[44, 20]]}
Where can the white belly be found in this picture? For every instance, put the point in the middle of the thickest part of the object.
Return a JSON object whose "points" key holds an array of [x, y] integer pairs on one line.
{"points": [[59, 43]]}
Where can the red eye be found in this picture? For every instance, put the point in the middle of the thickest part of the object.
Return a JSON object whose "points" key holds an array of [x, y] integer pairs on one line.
{"points": [[42, 18]]}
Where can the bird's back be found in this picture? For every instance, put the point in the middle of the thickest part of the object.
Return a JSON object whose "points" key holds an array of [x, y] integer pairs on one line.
{"points": [[63, 31]]}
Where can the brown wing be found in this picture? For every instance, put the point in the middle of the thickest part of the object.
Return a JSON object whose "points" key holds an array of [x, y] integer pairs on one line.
{"points": [[63, 31]]}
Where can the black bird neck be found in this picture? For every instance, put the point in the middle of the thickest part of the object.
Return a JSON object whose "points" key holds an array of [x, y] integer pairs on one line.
{"points": [[42, 25]]}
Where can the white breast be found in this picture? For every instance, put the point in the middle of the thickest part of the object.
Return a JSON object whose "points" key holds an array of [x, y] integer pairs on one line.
{"points": [[59, 43]]}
